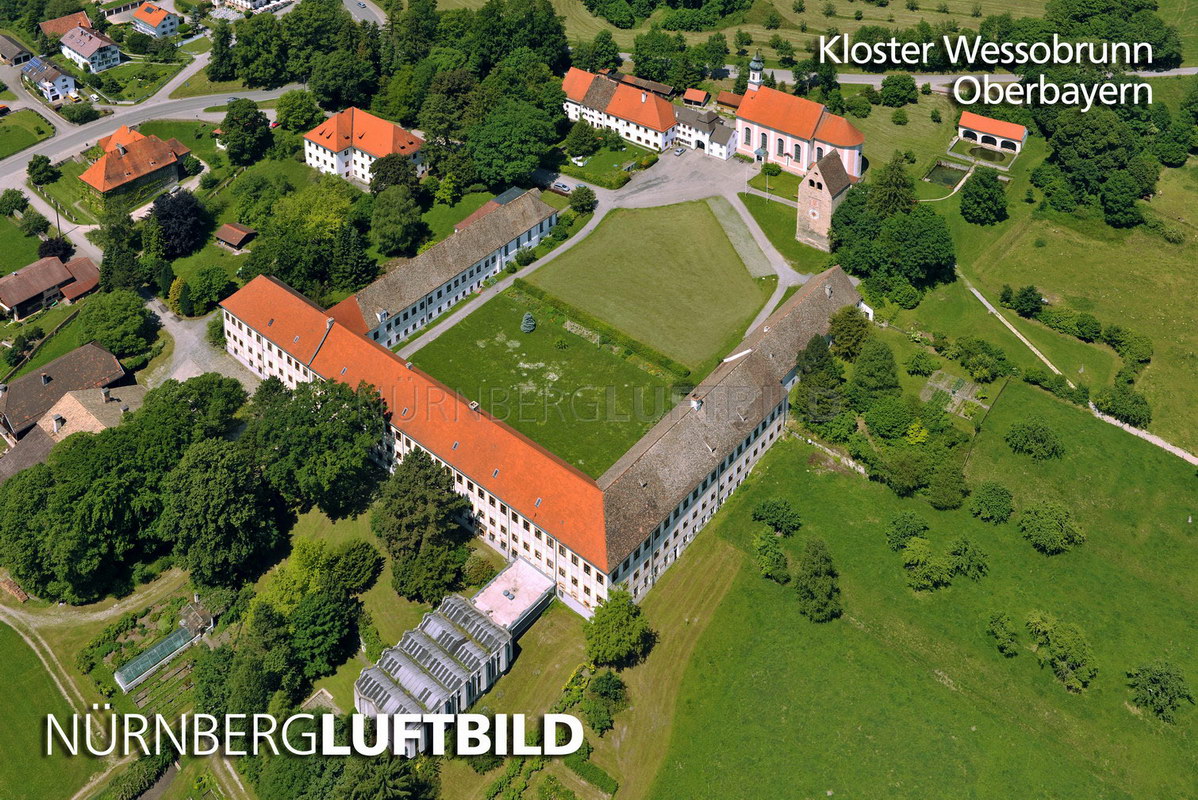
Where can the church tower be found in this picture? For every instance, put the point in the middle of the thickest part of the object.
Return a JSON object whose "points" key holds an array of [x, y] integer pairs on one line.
{"points": [[755, 68]]}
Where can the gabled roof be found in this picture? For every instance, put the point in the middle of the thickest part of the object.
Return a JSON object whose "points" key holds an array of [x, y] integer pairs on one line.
{"points": [[10, 48], [85, 41], [123, 135], [356, 128], [730, 99], [60, 25], [151, 14], [29, 397], [32, 281], [576, 83], [281, 314], [602, 93], [780, 111], [234, 234], [695, 96], [40, 71], [91, 410], [125, 163], [836, 179], [86, 275], [838, 131], [994, 127]]}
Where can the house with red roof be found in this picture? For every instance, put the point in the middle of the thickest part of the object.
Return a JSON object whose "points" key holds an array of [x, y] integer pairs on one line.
{"points": [[996, 133], [154, 20], [793, 132], [638, 115], [134, 162], [349, 142]]}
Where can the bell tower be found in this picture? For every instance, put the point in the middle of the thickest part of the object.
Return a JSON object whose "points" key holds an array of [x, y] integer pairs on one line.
{"points": [[755, 68]]}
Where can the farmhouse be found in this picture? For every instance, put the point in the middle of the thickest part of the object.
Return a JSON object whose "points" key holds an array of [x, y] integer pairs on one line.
{"points": [[416, 291], [349, 142], [626, 527], [133, 162], [90, 50], [705, 130], [154, 20], [24, 401], [638, 115], [12, 52], [46, 78], [45, 282], [60, 25], [820, 192], [991, 132], [791, 131]]}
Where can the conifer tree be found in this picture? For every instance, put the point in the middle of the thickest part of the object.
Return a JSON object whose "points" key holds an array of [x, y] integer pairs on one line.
{"points": [[816, 583]]}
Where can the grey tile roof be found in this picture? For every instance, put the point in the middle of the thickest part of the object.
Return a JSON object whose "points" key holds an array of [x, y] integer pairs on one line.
{"points": [[40, 71], [599, 93], [683, 448], [89, 366], [33, 449], [833, 171], [409, 279], [10, 48], [85, 41]]}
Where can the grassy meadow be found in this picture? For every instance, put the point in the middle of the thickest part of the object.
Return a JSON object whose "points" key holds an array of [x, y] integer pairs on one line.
{"points": [[22, 129]]}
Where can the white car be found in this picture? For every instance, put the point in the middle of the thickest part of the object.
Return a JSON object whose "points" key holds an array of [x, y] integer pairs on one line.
{"points": [[561, 187], [679, 151]]}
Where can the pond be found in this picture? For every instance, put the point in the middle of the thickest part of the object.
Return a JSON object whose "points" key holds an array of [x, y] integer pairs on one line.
{"points": [[986, 154], [945, 175]]}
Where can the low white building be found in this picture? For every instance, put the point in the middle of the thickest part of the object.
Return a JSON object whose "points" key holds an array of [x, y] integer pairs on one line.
{"points": [[47, 79], [349, 142], [705, 130], [639, 115], [154, 20], [90, 50]]}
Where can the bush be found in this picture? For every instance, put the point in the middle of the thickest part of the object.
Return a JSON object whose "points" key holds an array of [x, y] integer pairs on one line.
{"points": [[1125, 405], [1065, 648], [968, 559], [477, 570], [1034, 438], [33, 223], [57, 247], [771, 169], [529, 323], [1056, 383], [1050, 528], [771, 561], [899, 117], [79, 113], [926, 570], [778, 515], [1160, 688], [904, 527], [208, 181], [525, 256], [583, 200], [1004, 634], [216, 331], [11, 201], [922, 363], [992, 503], [983, 361], [889, 417]]}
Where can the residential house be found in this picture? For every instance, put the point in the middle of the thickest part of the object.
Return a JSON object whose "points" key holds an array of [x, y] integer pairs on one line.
{"points": [[997, 134], [13, 52], [133, 163], [638, 115], [793, 132], [90, 50], [58, 27], [87, 410], [415, 291], [154, 20], [820, 192], [586, 534], [24, 401], [349, 142], [47, 79], [705, 130], [45, 282]]}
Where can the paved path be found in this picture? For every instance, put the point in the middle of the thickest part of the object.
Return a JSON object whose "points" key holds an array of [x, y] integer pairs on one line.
{"points": [[192, 355]]}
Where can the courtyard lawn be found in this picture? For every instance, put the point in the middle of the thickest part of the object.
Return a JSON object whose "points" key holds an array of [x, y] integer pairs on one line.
{"points": [[67, 339], [584, 403], [16, 249], [605, 167], [906, 695], [72, 195], [778, 221], [25, 772], [785, 184], [196, 135], [927, 140], [22, 129], [667, 276], [441, 217]]}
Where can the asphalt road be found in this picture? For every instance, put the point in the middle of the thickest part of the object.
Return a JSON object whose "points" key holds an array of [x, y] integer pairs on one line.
{"points": [[368, 11]]}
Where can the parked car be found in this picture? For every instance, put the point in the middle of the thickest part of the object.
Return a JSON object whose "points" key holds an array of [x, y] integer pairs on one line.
{"points": [[3, 110], [679, 151], [561, 187], [274, 124], [95, 98]]}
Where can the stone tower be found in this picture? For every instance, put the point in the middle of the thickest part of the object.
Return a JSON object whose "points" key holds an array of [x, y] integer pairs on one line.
{"points": [[820, 192]]}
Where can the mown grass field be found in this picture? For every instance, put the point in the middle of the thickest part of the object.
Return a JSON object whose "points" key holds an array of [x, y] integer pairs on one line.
{"points": [[16, 249], [199, 84], [666, 276], [441, 218], [71, 194], [25, 772], [906, 695], [586, 404], [778, 222], [22, 129]]}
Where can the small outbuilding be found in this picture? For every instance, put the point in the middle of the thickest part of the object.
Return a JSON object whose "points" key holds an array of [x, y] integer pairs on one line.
{"points": [[235, 236], [695, 97], [990, 132], [12, 51], [729, 101]]}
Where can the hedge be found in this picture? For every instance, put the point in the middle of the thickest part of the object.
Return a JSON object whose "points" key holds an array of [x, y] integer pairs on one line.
{"points": [[1055, 383], [603, 329], [139, 777], [591, 773]]}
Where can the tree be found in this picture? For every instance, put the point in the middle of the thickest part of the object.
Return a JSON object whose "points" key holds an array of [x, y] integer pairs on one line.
{"points": [[261, 51], [771, 561], [183, 222], [581, 140], [1124, 404], [1005, 637], [816, 583], [778, 515], [41, 171], [1049, 526], [890, 417], [119, 269], [926, 570], [350, 267], [393, 169], [849, 330], [893, 190], [323, 631], [874, 375], [508, 143], [33, 223], [1064, 647], [355, 567], [899, 90], [417, 519], [743, 40], [217, 513], [991, 502], [246, 130], [1034, 438], [119, 322], [1161, 688], [57, 247], [899, 117], [968, 559], [221, 65], [983, 200], [904, 527], [79, 113], [946, 485], [583, 200], [340, 79], [297, 111], [209, 285], [11, 201], [529, 323], [922, 363], [618, 635], [396, 222], [1027, 302]]}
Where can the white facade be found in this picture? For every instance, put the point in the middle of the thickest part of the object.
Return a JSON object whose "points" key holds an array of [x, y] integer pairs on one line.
{"points": [[351, 163], [56, 88], [104, 58], [630, 131], [169, 26]]}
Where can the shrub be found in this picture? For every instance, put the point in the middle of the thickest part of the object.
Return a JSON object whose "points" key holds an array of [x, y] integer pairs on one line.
{"points": [[477, 570], [33, 223], [922, 363], [992, 503], [11, 201], [778, 515], [583, 200], [925, 569], [946, 485], [216, 331], [968, 559], [597, 714], [1056, 383], [1034, 438], [899, 117], [904, 527], [816, 583], [983, 361], [1063, 647], [771, 169], [1125, 405], [208, 180], [889, 417], [56, 246], [1005, 637], [529, 323], [771, 561], [1050, 528], [1160, 688], [935, 116]]}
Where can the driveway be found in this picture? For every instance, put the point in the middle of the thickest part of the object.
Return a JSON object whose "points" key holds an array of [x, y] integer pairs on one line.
{"points": [[192, 355]]}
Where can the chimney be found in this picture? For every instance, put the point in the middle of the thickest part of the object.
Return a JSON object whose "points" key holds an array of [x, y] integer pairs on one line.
{"points": [[328, 324], [644, 97], [105, 394], [45, 378], [120, 148], [696, 403], [59, 421], [3, 389]]}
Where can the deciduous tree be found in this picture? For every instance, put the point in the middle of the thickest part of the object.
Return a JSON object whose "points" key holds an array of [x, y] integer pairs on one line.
{"points": [[618, 635], [817, 583]]}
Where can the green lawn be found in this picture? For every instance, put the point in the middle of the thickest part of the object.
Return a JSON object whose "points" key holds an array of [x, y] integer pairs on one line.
{"points": [[16, 249], [25, 772], [778, 221], [140, 79], [926, 139], [906, 695], [196, 46], [604, 168], [63, 342], [6, 93], [667, 276], [785, 184], [586, 404], [71, 194], [22, 129], [441, 218], [199, 84]]}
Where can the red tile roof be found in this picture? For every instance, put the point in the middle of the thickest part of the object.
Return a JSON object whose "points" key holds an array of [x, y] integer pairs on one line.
{"points": [[86, 275], [838, 131], [233, 234], [781, 111], [60, 25], [695, 96], [356, 128], [994, 127], [122, 135], [641, 107], [126, 162], [555, 496], [152, 15], [576, 83], [730, 99]]}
